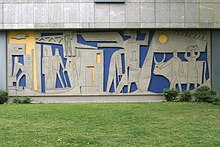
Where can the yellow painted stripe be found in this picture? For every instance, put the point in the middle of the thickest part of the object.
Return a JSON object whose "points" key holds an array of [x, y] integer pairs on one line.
{"points": [[98, 58], [93, 74]]}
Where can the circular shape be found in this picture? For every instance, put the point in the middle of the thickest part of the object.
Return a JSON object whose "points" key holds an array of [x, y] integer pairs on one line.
{"points": [[163, 38]]}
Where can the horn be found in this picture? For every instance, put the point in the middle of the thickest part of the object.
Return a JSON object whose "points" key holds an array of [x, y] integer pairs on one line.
{"points": [[164, 57], [155, 60]]}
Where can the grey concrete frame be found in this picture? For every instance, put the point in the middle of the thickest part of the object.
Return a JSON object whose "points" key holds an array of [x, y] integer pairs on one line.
{"points": [[215, 59], [3, 60]]}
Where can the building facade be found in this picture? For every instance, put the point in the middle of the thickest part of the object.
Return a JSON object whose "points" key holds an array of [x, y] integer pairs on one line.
{"points": [[84, 47]]}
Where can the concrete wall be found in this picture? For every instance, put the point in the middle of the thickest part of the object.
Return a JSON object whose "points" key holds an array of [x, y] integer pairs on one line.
{"points": [[216, 60], [3, 60], [86, 14]]}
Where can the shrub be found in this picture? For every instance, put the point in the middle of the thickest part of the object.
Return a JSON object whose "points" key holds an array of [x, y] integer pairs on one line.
{"points": [[170, 94], [3, 96], [205, 94], [21, 100], [185, 96], [216, 100]]}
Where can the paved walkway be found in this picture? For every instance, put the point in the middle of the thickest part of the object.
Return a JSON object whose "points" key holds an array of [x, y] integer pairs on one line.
{"points": [[98, 99]]}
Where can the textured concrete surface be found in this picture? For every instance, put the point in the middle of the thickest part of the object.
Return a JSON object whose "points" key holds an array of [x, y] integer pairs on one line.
{"points": [[52, 14], [3, 60], [100, 99], [216, 60]]}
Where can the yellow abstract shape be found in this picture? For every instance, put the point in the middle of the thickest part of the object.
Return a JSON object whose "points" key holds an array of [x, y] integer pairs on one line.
{"points": [[163, 38], [98, 58], [93, 74], [27, 38]]}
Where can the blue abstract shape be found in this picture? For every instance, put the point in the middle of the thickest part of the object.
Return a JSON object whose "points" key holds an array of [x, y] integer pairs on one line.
{"points": [[81, 40], [22, 81], [151, 35], [117, 77], [184, 87], [42, 75], [143, 54], [181, 56], [123, 62], [112, 89], [58, 82], [125, 89], [67, 79], [123, 36], [42, 82], [133, 87], [140, 36]]}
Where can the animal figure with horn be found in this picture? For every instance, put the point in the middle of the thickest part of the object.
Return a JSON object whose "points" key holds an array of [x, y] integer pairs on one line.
{"points": [[176, 71]]}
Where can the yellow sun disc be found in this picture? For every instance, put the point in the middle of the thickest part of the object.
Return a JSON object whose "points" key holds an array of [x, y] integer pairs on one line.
{"points": [[163, 38]]}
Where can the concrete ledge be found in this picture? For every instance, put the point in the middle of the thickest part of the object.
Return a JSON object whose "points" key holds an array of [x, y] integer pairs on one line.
{"points": [[98, 99]]}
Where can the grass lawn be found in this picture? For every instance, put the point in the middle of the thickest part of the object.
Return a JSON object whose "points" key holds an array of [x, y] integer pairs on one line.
{"points": [[110, 124]]}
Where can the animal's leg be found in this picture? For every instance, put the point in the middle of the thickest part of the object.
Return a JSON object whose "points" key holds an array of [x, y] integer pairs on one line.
{"points": [[53, 80], [18, 80], [115, 84], [195, 85], [188, 85], [179, 84], [129, 87], [121, 84], [137, 84], [61, 81], [180, 88], [172, 83], [110, 80]]}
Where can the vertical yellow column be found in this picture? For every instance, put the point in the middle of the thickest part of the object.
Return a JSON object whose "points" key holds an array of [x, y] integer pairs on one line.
{"points": [[93, 75], [29, 40], [98, 58], [92, 68]]}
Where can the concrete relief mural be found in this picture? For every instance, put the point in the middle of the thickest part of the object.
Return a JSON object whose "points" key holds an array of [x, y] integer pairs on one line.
{"points": [[106, 63]]}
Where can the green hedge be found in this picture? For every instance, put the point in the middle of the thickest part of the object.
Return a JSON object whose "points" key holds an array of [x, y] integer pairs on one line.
{"points": [[201, 94], [3, 96], [21, 100]]}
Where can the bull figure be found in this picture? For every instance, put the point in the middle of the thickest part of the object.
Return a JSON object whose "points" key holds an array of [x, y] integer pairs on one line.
{"points": [[176, 71]]}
